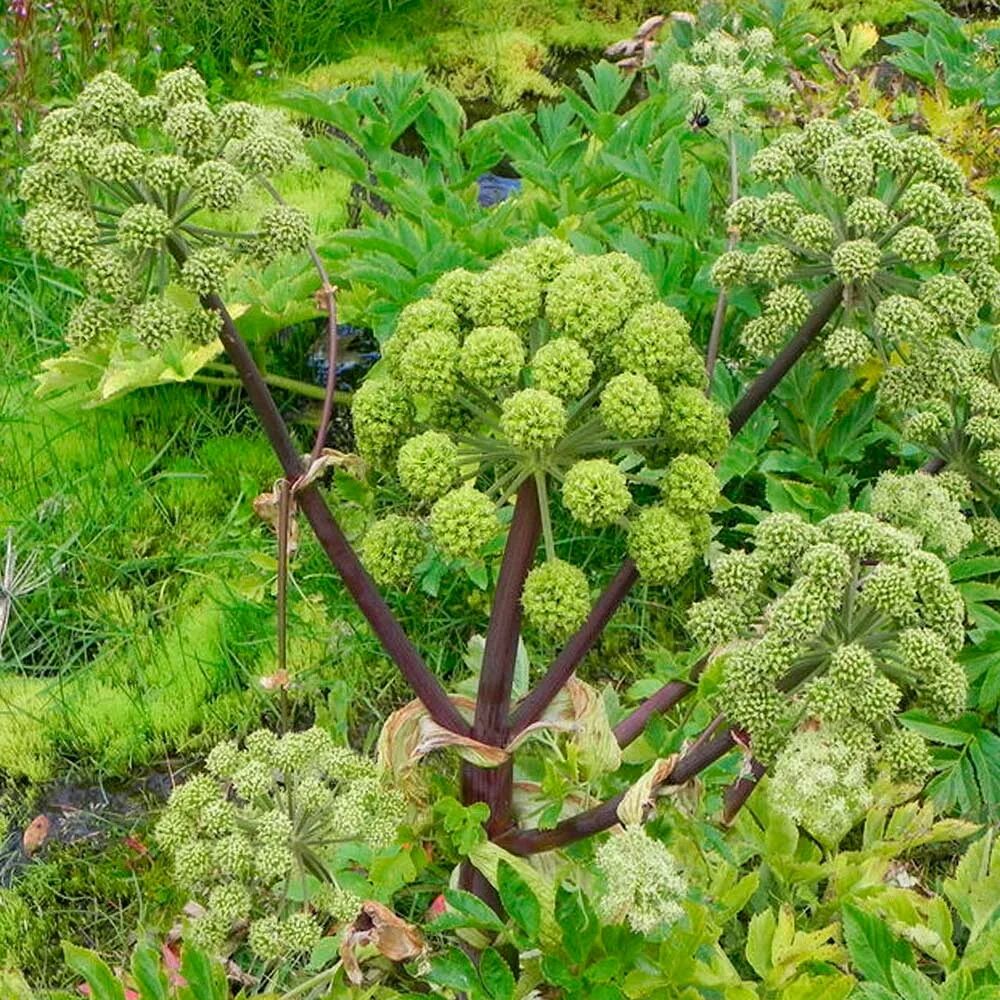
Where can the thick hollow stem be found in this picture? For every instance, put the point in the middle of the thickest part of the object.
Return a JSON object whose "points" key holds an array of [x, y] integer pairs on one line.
{"points": [[765, 383], [494, 786], [384, 624], [740, 790], [540, 697], [605, 815], [496, 678]]}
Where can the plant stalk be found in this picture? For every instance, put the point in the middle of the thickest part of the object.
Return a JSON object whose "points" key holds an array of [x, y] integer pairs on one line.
{"points": [[765, 383], [339, 551], [604, 816], [533, 706]]}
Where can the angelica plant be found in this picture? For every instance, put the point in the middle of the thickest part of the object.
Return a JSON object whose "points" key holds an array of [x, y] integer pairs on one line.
{"points": [[875, 232], [953, 411], [841, 625], [731, 78], [585, 367], [267, 817], [130, 191]]}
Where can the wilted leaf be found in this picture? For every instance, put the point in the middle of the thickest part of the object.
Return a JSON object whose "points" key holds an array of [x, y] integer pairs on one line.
{"points": [[377, 925], [35, 834]]}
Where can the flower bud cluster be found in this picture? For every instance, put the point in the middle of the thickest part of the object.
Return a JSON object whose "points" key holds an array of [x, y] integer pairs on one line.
{"points": [[258, 815], [643, 883], [887, 216], [950, 405], [731, 79], [555, 363], [845, 622], [121, 190]]}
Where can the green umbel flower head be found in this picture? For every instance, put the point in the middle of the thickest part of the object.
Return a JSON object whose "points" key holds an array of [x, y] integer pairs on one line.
{"points": [[845, 622], [556, 598], [886, 217], [275, 809], [120, 190], [548, 401]]}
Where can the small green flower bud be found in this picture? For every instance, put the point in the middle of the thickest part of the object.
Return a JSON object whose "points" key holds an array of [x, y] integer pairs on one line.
{"points": [[847, 168], [900, 319], [193, 128], [428, 365], [110, 275], [763, 335], [392, 549], [814, 233], [108, 101], [543, 257], [631, 406], [694, 424], [731, 269], [119, 163], [533, 420], [556, 598], [867, 216], [787, 306], [951, 300], [771, 164], [143, 227], [856, 261], [596, 492], [428, 465], [44, 182], [202, 326], [492, 357], [690, 486], [506, 296], [562, 367], [265, 152], [205, 270], [588, 301], [90, 322], [382, 415], [907, 755], [746, 216], [167, 172], [456, 289], [973, 241], [237, 119], [660, 544], [925, 204], [771, 264], [847, 347], [462, 522], [219, 185], [653, 342], [181, 86], [282, 229], [156, 322], [915, 245]]}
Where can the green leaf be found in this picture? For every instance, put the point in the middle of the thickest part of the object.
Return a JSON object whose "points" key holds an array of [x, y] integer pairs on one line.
{"points": [[455, 969], [872, 946], [148, 973], [496, 975], [578, 923], [205, 978], [518, 900], [912, 984], [478, 913], [760, 934], [101, 980]]}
